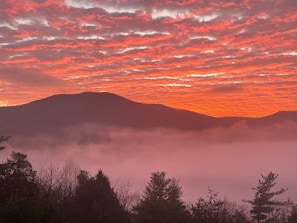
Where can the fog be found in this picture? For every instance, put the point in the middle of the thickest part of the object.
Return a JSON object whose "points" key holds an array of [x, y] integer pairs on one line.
{"points": [[228, 160]]}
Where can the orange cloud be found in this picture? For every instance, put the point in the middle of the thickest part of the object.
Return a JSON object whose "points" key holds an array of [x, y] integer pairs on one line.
{"points": [[220, 58]]}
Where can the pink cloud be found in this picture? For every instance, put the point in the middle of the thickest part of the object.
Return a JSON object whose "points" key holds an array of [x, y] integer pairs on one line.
{"points": [[149, 38]]}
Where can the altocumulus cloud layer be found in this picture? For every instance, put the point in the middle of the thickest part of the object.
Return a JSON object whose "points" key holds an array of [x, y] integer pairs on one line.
{"points": [[236, 56], [228, 160]]}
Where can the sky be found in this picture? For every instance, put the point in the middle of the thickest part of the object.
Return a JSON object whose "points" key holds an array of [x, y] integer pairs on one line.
{"points": [[221, 58]]}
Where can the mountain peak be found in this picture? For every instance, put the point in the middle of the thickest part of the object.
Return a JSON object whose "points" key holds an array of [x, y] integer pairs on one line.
{"points": [[104, 108], [84, 95], [67, 110]]}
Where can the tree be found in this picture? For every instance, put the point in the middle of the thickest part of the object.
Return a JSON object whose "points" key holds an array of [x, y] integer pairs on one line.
{"points": [[215, 210], [96, 201], [58, 181], [18, 190], [235, 213], [263, 204], [17, 177], [293, 215], [128, 196], [56, 190], [161, 201], [208, 210]]}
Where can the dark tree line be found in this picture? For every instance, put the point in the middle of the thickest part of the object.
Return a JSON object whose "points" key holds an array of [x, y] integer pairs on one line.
{"points": [[70, 195], [24, 197]]}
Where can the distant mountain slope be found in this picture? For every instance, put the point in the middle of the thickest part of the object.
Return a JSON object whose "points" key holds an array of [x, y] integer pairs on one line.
{"points": [[54, 113], [60, 111]]}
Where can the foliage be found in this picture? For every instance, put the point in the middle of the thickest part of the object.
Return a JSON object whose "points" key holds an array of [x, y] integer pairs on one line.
{"points": [[208, 210], [96, 201], [214, 210], [293, 215], [18, 190], [17, 177], [263, 204], [161, 201], [54, 196]]}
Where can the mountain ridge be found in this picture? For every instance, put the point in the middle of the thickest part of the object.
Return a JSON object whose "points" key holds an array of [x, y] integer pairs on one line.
{"points": [[56, 112]]}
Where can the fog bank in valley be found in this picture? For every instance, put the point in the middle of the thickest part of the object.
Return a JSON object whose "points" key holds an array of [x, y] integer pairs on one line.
{"points": [[228, 160]]}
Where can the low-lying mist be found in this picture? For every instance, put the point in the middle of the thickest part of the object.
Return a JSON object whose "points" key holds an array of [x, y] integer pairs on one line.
{"points": [[228, 160]]}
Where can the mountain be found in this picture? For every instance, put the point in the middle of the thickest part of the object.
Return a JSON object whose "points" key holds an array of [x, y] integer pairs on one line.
{"points": [[62, 111], [55, 113]]}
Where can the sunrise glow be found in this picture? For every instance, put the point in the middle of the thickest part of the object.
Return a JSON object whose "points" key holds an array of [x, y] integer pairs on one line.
{"points": [[221, 58]]}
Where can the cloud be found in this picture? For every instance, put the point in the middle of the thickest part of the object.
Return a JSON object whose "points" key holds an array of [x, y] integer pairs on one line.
{"points": [[39, 1], [227, 89], [169, 38], [222, 58], [28, 76]]}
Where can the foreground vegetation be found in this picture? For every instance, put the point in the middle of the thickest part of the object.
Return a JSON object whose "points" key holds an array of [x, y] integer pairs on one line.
{"points": [[73, 195]]}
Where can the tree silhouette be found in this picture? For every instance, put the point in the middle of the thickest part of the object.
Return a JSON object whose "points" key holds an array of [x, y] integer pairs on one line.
{"points": [[17, 177], [18, 190], [263, 204], [293, 215], [128, 196], [96, 201], [56, 190], [161, 201], [208, 210], [215, 210]]}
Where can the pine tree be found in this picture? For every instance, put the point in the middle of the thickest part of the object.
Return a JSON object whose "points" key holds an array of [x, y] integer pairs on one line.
{"points": [[263, 204], [161, 201], [17, 177], [18, 190], [96, 201]]}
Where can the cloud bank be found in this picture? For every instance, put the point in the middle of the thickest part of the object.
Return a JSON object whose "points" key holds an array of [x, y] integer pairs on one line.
{"points": [[229, 160], [212, 56]]}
